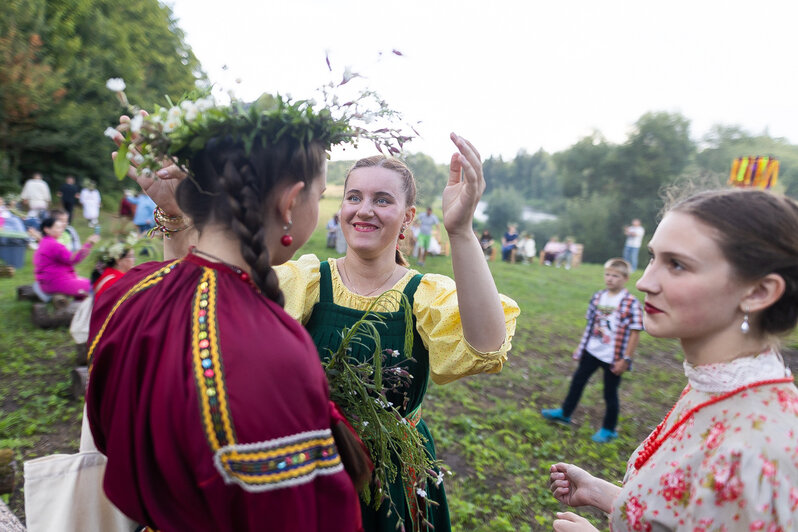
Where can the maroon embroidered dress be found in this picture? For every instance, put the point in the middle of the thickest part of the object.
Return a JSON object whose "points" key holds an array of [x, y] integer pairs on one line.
{"points": [[211, 405]]}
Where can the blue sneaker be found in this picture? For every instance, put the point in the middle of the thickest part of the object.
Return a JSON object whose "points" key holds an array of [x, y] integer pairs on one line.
{"points": [[555, 414], [604, 436]]}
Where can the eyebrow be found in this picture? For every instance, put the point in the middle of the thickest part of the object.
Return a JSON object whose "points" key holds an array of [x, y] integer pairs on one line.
{"points": [[379, 193], [672, 254]]}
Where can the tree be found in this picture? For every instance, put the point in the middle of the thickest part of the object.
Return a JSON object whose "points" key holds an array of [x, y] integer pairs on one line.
{"points": [[29, 87], [83, 43], [430, 177], [504, 206]]}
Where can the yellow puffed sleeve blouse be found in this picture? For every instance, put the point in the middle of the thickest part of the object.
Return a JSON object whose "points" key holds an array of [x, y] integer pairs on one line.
{"points": [[434, 306]]}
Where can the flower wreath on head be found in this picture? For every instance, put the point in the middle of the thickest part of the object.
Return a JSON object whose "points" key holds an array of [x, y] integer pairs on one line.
{"points": [[179, 131], [115, 250]]}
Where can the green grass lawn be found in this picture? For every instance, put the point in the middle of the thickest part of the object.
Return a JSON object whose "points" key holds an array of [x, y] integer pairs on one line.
{"points": [[487, 428]]}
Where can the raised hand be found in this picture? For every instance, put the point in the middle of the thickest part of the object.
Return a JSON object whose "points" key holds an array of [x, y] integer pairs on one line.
{"points": [[161, 186], [464, 189], [570, 522]]}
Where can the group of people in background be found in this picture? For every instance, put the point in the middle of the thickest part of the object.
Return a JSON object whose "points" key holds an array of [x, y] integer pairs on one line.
{"points": [[188, 453]]}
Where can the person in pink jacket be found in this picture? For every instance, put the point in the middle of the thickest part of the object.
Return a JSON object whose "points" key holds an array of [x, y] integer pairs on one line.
{"points": [[54, 264]]}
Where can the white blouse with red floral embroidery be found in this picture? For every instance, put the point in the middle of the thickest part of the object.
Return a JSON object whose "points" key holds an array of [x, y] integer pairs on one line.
{"points": [[732, 466]]}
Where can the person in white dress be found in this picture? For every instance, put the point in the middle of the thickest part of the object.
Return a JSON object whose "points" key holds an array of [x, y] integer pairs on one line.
{"points": [[90, 200]]}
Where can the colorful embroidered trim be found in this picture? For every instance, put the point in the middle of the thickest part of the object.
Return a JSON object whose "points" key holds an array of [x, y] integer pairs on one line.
{"points": [[279, 463], [148, 282], [208, 371]]}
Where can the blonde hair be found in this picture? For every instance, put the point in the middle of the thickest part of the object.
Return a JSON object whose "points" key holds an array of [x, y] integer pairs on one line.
{"points": [[619, 265]]}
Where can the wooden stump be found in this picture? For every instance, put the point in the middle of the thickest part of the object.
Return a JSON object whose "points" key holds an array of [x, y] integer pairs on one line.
{"points": [[80, 381], [81, 354], [7, 471]]}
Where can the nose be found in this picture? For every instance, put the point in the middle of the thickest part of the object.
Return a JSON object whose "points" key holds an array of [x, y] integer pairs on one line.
{"points": [[365, 210], [647, 283]]}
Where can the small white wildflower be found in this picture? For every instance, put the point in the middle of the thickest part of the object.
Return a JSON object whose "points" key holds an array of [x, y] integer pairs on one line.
{"points": [[173, 112], [135, 123], [138, 158], [129, 156], [110, 132], [206, 103], [191, 114], [365, 423], [404, 421], [115, 84], [440, 478], [171, 124], [421, 493], [390, 403], [146, 172]]}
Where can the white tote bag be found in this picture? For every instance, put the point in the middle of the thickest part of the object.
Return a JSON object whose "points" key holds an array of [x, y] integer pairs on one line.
{"points": [[64, 492], [79, 328]]}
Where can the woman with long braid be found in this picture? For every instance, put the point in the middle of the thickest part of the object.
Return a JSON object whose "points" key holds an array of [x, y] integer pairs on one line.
{"points": [[205, 425]]}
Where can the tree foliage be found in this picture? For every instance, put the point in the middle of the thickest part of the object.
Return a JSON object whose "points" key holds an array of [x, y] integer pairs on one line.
{"points": [[55, 57]]}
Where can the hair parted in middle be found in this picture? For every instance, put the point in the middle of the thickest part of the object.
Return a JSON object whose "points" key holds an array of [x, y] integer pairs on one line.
{"points": [[408, 183], [231, 187]]}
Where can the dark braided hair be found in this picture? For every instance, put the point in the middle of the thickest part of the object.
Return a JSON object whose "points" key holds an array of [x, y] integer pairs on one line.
{"points": [[231, 188]]}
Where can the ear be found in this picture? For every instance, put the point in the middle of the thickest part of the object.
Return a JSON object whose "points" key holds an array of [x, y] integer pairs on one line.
{"points": [[764, 293], [410, 214], [286, 200]]}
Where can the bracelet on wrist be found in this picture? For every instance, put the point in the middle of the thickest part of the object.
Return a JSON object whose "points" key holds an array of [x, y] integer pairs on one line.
{"points": [[161, 221]]}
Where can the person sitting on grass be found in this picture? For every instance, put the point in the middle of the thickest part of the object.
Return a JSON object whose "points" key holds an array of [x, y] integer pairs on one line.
{"points": [[509, 242], [54, 264], [723, 279], [614, 321]]}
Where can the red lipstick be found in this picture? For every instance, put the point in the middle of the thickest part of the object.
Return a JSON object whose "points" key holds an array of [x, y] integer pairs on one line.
{"points": [[651, 309]]}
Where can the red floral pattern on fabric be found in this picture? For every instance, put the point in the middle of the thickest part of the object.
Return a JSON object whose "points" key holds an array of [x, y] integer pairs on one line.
{"points": [[732, 467]]}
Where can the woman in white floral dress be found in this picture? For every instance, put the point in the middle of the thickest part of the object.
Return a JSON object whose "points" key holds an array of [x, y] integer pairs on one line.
{"points": [[723, 278]]}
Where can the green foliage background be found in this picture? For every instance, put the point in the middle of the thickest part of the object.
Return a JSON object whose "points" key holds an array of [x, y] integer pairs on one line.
{"points": [[55, 56]]}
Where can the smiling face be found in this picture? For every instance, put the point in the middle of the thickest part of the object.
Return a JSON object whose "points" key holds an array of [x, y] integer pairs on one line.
{"points": [[691, 290], [374, 210]]}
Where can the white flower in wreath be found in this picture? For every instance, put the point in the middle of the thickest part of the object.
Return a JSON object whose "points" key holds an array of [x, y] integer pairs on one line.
{"points": [[115, 84], [421, 493], [135, 123]]}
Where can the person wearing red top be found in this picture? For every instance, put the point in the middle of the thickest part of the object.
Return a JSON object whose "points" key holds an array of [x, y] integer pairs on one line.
{"points": [[118, 261], [205, 425]]}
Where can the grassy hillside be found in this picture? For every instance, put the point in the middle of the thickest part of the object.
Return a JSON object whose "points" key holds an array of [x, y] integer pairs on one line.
{"points": [[487, 428]]}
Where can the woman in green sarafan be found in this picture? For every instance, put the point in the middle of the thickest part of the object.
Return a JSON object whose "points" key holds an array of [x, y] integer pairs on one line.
{"points": [[461, 327]]}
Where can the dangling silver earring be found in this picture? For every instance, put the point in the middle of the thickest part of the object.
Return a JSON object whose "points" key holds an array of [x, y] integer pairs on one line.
{"points": [[745, 326]]}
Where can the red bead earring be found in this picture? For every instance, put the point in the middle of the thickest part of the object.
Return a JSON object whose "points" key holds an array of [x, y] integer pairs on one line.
{"points": [[401, 236], [286, 239]]}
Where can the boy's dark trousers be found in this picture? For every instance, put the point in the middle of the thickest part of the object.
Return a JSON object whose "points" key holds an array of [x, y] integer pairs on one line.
{"points": [[588, 365]]}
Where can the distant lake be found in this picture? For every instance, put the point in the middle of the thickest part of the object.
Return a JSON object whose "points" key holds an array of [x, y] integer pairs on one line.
{"points": [[529, 214]]}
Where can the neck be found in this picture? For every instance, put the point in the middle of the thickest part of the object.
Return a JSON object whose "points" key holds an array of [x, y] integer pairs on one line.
{"points": [[364, 273], [724, 347], [219, 243], [614, 292]]}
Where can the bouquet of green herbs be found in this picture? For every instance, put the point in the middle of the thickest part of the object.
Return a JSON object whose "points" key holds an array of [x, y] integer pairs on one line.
{"points": [[361, 391]]}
